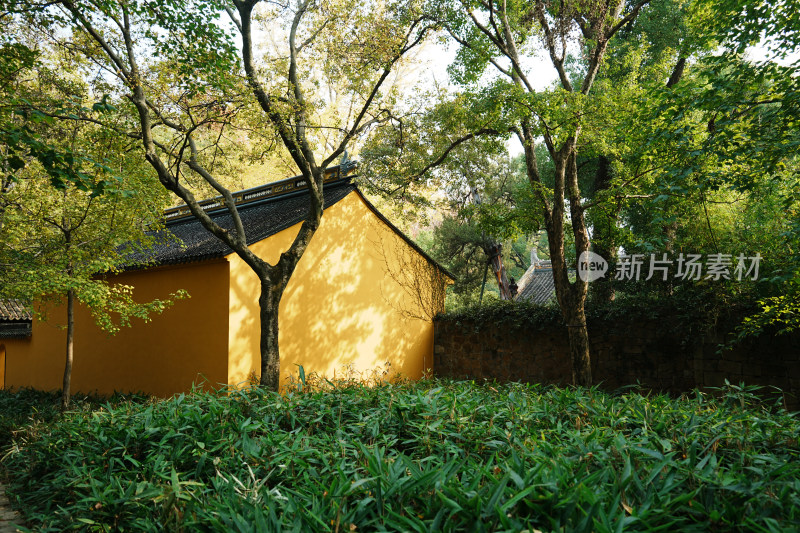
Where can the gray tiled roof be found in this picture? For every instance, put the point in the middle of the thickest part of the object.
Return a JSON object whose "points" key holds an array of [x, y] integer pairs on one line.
{"points": [[537, 285], [187, 240], [14, 310]]}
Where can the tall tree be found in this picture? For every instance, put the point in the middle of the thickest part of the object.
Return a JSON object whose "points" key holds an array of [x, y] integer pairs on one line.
{"points": [[467, 175], [494, 34], [183, 74], [60, 246]]}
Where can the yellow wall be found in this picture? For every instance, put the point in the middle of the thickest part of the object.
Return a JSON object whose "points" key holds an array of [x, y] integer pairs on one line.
{"points": [[341, 307], [2, 365], [185, 344]]}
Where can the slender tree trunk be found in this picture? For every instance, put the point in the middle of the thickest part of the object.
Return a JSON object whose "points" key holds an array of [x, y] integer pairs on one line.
{"points": [[269, 303], [670, 232], [576, 316], [483, 285], [578, 343], [493, 251], [677, 72], [70, 346]]}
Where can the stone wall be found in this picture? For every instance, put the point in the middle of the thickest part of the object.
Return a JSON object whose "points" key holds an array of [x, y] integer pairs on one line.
{"points": [[622, 354]]}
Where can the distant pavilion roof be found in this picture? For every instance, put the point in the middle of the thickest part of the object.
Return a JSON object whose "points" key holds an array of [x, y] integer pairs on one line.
{"points": [[537, 285]]}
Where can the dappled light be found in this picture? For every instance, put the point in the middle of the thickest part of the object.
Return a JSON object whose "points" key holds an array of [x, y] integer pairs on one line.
{"points": [[336, 312], [344, 310]]}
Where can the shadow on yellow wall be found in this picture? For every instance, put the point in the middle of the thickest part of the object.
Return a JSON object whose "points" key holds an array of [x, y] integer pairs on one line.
{"points": [[341, 306]]}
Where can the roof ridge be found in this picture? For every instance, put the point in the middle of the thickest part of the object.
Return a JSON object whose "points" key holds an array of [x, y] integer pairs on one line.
{"points": [[263, 217], [268, 191]]}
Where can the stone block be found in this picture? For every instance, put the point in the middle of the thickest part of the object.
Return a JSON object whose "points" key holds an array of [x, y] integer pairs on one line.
{"points": [[792, 354], [769, 370], [793, 369], [713, 379], [738, 356], [731, 368], [751, 370], [667, 368]]}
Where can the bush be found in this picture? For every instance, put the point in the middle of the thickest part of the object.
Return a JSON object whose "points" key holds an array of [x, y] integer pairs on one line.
{"points": [[691, 313], [428, 456], [25, 407]]}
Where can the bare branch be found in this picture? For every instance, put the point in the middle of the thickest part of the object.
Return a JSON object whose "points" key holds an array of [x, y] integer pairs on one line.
{"points": [[453, 145], [313, 36], [226, 194], [466, 44], [376, 88], [234, 18], [550, 44], [98, 38]]}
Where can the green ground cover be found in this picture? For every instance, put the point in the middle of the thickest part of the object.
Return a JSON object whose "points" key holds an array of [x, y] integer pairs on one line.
{"points": [[450, 456]]}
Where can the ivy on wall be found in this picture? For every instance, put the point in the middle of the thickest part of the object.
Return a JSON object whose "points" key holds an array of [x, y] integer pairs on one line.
{"points": [[690, 315]]}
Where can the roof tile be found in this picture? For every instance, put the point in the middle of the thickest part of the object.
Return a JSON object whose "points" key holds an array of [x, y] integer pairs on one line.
{"points": [[14, 311], [537, 285], [186, 240]]}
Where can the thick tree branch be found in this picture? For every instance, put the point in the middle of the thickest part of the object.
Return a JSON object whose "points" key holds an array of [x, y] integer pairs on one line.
{"points": [[550, 44], [628, 18], [192, 163], [90, 29], [466, 44], [453, 145]]}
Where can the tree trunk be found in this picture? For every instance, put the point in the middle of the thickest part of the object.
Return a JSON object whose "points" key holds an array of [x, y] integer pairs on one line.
{"points": [[579, 345], [494, 257], [494, 251], [574, 313], [70, 345], [571, 296], [677, 72], [571, 300], [670, 232], [604, 243], [269, 303]]}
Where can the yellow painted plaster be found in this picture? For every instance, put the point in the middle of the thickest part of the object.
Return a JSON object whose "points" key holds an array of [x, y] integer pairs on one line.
{"points": [[184, 345], [342, 306], [2, 366]]}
